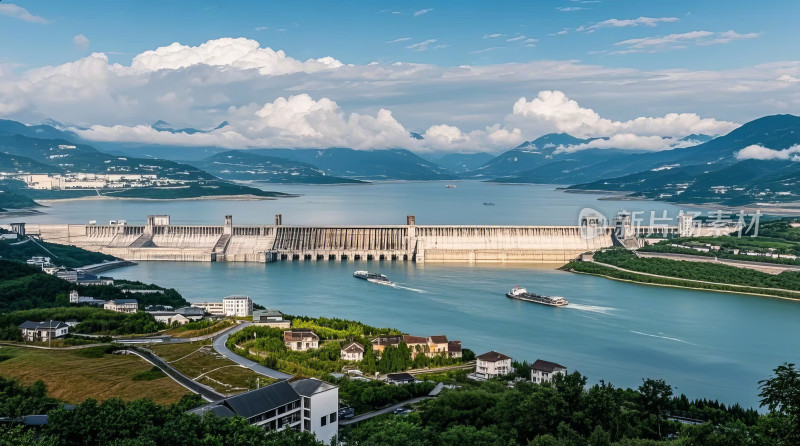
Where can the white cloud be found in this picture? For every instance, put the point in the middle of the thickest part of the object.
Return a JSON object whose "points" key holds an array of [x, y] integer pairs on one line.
{"points": [[493, 36], [421, 46], [759, 152], [81, 42], [443, 137], [624, 23], [554, 111], [516, 38], [235, 53], [422, 12], [787, 78], [679, 41], [401, 39], [261, 28], [571, 8], [628, 141], [18, 12]]}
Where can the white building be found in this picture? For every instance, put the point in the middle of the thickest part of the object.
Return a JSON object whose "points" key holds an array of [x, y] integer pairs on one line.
{"points": [[122, 305], [75, 298], [238, 306], [169, 317], [685, 225], [306, 405], [43, 331], [300, 339], [212, 308], [353, 352], [271, 318], [545, 371], [493, 364]]}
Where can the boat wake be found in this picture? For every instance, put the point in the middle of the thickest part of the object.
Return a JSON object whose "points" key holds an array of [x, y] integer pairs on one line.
{"points": [[590, 308], [662, 337], [401, 287]]}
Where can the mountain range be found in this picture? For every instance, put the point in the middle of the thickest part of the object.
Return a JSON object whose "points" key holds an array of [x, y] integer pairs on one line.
{"points": [[707, 172]]}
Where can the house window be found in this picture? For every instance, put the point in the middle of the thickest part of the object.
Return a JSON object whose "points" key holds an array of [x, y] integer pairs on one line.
{"points": [[307, 425], [333, 417], [323, 420]]}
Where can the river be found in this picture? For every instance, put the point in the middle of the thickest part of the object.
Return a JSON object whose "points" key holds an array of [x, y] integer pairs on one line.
{"points": [[706, 344]]}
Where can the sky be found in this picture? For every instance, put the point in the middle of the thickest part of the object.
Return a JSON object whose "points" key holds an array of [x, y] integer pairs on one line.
{"points": [[468, 75]]}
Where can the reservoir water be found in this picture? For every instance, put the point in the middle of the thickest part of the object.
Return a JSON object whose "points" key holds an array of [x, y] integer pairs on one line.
{"points": [[707, 345]]}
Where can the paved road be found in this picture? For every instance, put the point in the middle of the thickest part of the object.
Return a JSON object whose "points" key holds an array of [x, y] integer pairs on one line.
{"points": [[375, 413], [219, 346], [204, 391]]}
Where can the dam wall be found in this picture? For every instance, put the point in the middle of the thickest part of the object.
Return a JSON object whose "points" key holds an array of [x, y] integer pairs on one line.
{"points": [[160, 240]]}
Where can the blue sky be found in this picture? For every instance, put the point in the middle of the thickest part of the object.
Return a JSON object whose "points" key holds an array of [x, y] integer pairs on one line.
{"points": [[608, 43]]}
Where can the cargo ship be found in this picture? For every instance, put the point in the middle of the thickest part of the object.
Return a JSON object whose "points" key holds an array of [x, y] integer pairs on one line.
{"points": [[523, 294]]}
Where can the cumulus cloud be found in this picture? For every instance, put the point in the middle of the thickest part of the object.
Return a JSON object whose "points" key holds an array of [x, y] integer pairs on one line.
{"points": [[238, 53], [18, 12], [679, 41], [554, 110], [759, 152], [628, 141], [788, 78], [624, 23], [81, 42], [444, 136]]}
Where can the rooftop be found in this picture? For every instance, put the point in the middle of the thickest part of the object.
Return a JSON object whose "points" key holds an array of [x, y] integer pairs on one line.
{"points": [[387, 340], [400, 377], [124, 301], [439, 339], [408, 339], [310, 386], [493, 356], [353, 347], [546, 366], [250, 404]]}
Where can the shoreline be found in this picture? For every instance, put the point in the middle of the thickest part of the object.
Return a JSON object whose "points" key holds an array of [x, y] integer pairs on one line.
{"points": [[684, 287], [45, 202]]}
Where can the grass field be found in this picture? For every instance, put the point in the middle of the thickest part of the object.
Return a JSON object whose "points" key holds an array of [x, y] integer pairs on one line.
{"points": [[74, 375], [182, 332], [199, 361]]}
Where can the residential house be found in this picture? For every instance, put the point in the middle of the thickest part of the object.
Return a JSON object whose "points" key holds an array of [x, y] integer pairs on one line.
{"points": [[122, 305], [437, 345], [306, 405], [300, 339], [492, 364], [43, 331], [191, 313], [454, 349], [416, 344], [270, 318], [169, 317], [237, 306], [353, 352], [400, 378], [544, 371], [379, 344]]}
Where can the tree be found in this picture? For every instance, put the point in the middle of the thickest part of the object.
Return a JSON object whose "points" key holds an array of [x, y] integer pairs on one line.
{"points": [[654, 397], [781, 394]]}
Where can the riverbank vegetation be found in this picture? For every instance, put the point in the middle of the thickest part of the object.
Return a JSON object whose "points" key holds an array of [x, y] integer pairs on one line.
{"points": [[689, 274], [566, 413], [266, 345], [137, 422], [763, 249], [22, 249], [26, 287]]}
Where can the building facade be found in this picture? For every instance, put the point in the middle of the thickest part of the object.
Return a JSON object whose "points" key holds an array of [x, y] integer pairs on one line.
{"points": [[43, 331], [545, 371], [306, 405], [300, 339], [353, 352], [270, 318], [212, 308], [122, 305], [493, 364], [237, 306]]}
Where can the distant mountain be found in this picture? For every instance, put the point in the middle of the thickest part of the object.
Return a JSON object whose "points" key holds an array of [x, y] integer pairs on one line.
{"points": [[526, 156], [65, 155], [11, 128], [173, 153], [16, 164], [696, 139], [461, 162], [163, 126], [249, 166], [711, 173], [570, 168], [377, 164]]}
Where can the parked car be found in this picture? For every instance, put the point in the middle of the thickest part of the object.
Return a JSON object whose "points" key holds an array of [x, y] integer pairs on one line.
{"points": [[346, 412]]}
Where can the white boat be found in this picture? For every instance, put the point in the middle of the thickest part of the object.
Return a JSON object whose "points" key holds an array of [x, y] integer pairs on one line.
{"points": [[523, 294]]}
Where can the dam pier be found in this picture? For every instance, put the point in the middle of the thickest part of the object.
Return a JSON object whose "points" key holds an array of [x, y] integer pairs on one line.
{"points": [[159, 239]]}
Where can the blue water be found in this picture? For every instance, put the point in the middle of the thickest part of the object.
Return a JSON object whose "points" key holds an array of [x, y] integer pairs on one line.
{"points": [[710, 345], [705, 344]]}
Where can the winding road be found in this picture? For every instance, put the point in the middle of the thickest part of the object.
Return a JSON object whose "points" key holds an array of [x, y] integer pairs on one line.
{"points": [[219, 346]]}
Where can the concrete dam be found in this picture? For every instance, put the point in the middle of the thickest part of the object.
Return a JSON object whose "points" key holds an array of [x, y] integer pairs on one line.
{"points": [[161, 240]]}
